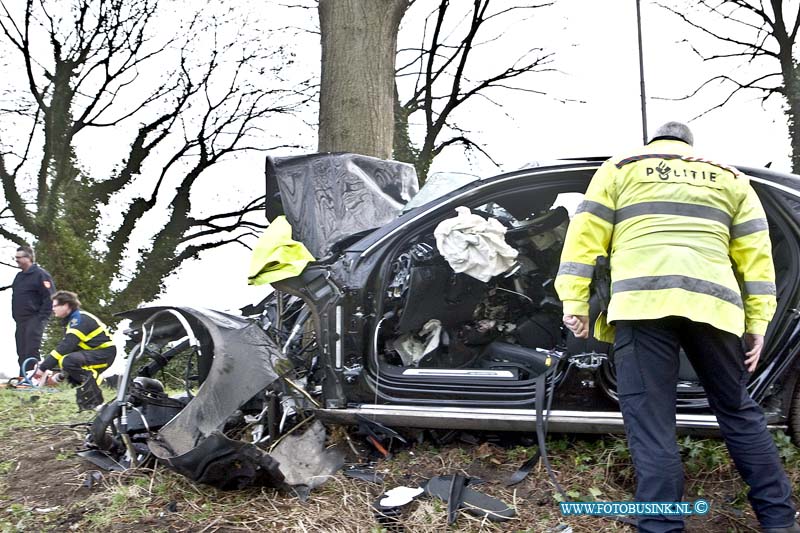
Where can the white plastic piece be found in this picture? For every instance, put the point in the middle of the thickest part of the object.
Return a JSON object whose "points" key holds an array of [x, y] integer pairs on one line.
{"points": [[412, 349], [399, 496]]}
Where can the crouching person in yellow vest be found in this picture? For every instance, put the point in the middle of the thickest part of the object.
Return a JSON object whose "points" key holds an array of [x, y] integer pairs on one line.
{"points": [[84, 352]]}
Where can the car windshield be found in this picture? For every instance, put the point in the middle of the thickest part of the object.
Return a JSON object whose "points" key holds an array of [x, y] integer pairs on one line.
{"points": [[437, 185]]}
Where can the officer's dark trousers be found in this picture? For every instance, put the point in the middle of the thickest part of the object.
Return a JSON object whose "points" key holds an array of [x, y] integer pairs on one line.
{"points": [[646, 359], [29, 337], [73, 364]]}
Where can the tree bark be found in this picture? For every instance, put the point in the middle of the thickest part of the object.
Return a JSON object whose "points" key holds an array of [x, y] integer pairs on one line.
{"points": [[356, 103], [791, 92], [791, 84]]}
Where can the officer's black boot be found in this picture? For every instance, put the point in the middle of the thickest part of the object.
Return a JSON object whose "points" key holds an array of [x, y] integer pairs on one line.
{"points": [[88, 395]]}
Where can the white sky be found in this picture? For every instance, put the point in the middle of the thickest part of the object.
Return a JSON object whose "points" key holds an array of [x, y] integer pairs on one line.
{"points": [[596, 52]]}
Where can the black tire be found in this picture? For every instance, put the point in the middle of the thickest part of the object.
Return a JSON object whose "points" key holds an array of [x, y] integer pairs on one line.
{"points": [[794, 415]]}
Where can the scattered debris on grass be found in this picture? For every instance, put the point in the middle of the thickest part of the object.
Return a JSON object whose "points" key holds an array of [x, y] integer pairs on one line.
{"points": [[156, 499]]}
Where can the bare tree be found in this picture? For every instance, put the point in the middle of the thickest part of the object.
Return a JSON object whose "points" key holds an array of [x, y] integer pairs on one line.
{"points": [[94, 69], [356, 101], [447, 73], [753, 43]]}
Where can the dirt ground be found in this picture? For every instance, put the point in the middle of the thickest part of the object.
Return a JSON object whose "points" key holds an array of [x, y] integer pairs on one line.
{"points": [[45, 487], [47, 476]]}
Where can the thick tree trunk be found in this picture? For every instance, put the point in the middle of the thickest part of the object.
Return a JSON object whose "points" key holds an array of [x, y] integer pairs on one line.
{"points": [[792, 115], [791, 91], [792, 94], [359, 45]]}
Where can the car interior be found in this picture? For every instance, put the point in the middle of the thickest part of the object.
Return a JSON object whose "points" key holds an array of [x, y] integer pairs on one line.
{"points": [[447, 335]]}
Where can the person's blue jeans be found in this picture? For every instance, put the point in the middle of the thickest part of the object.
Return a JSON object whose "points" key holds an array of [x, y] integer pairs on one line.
{"points": [[646, 359]]}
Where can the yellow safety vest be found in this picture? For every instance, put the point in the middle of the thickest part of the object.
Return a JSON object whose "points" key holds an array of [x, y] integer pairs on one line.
{"points": [[673, 225]]}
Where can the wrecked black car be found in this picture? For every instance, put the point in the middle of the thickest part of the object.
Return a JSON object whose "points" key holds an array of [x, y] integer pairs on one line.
{"points": [[385, 325]]}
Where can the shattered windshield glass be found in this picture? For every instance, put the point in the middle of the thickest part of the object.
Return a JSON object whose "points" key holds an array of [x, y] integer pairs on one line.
{"points": [[437, 185]]}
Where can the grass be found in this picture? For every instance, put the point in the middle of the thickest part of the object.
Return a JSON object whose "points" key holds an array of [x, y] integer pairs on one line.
{"points": [[39, 472], [33, 408]]}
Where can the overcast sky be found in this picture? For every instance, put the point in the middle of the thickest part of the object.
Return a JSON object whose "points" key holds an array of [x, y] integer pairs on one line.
{"points": [[595, 45]]}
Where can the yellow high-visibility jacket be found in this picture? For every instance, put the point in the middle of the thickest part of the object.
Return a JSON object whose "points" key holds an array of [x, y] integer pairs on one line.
{"points": [[673, 225]]}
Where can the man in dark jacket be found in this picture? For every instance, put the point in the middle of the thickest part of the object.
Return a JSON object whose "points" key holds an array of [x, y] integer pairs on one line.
{"points": [[30, 303], [84, 352]]}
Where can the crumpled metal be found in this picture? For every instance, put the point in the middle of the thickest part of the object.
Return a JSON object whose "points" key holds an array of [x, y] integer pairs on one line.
{"points": [[330, 197], [276, 255], [474, 245], [236, 360]]}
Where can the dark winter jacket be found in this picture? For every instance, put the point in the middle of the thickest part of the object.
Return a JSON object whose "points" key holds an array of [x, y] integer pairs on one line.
{"points": [[31, 292]]}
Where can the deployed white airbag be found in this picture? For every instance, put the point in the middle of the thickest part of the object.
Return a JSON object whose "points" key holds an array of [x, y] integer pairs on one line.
{"points": [[474, 245]]}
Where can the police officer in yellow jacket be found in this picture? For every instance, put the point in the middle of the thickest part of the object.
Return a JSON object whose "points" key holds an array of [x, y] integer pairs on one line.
{"points": [[673, 225], [84, 352]]}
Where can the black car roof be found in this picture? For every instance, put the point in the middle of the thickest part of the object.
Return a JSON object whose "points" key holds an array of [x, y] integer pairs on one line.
{"points": [[790, 182]]}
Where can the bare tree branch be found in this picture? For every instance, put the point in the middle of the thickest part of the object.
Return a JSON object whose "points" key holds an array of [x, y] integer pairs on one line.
{"points": [[238, 221], [24, 158], [85, 68], [15, 202], [440, 65], [746, 45], [466, 142], [759, 34]]}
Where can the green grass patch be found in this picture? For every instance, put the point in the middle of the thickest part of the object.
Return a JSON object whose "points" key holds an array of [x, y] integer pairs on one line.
{"points": [[6, 467], [27, 408]]}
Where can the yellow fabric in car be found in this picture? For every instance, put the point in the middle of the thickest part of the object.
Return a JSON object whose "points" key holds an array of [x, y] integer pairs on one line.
{"points": [[276, 255]]}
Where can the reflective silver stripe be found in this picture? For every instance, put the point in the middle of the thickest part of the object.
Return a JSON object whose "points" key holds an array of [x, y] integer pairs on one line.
{"points": [[597, 209], [674, 208], [576, 269], [701, 286], [760, 287], [746, 228]]}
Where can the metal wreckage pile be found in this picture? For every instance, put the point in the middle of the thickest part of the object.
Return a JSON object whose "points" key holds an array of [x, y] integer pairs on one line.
{"points": [[253, 383]]}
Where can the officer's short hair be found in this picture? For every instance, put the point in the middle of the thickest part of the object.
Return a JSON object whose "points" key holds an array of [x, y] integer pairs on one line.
{"points": [[27, 250], [674, 130], [67, 297]]}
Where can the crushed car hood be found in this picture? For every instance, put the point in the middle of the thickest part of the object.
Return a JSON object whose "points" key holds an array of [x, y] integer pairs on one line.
{"points": [[328, 197], [243, 364], [236, 362]]}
